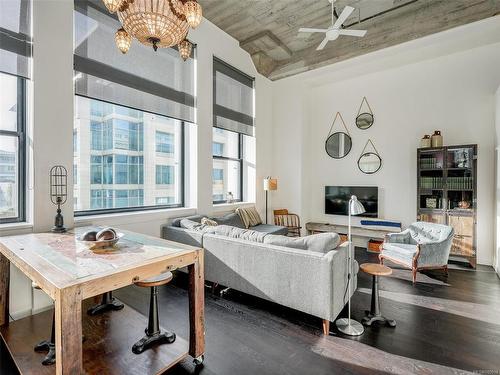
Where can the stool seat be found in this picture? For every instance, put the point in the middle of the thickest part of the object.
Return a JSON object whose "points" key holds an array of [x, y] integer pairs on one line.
{"points": [[158, 280], [375, 269]]}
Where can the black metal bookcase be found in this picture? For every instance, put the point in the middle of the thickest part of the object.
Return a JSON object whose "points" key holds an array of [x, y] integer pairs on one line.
{"points": [[447, 194]]}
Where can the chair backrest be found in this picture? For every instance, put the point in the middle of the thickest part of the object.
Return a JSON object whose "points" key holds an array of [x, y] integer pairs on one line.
{"points": [[424, 232], [282, 211]]}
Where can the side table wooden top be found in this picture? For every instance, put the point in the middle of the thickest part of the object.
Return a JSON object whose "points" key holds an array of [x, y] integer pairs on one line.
{"points": [[375, 269]]}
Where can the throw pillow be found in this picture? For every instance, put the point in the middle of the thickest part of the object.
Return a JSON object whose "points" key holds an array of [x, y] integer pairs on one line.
{"points": [[249, 216], [321, 242], [209, 222]]}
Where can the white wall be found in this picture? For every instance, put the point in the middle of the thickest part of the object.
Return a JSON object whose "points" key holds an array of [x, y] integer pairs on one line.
{"points": [[52, 139], [426, 91]]}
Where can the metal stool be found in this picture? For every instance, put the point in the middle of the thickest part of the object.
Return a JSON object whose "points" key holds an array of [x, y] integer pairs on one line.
{"points": [[154, 336], [108, 303], [48, 346]]}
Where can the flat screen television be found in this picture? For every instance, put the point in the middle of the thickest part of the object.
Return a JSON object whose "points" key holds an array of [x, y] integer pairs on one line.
{"points": [[337, 199]]}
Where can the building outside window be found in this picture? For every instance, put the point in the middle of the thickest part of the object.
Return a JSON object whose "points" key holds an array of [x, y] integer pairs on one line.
{"points": [[164, 175], [217, 147], [164, 142]]}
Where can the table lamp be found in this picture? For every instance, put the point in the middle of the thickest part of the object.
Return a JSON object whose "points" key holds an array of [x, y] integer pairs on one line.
{"points": [[269, 184], [58, 194], [350, 326]]}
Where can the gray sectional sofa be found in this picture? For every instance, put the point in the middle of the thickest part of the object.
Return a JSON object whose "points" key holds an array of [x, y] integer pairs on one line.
{"points": [[307, 273]]}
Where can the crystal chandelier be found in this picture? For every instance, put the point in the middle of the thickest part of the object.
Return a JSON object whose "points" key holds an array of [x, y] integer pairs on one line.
{"points": [[156, 23]]}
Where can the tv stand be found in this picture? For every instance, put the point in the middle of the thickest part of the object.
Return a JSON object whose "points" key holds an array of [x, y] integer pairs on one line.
{"points": [[360, 236]]}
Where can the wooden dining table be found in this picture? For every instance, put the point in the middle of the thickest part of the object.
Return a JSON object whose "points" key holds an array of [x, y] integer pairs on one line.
{"points": [[70, 272]]}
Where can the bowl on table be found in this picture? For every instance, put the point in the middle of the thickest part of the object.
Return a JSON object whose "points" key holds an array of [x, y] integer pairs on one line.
{"points": [[104, 238]]}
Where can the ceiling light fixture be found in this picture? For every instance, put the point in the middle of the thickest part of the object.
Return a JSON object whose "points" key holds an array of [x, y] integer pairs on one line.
{"points": [[185, 48], [159, 23]]}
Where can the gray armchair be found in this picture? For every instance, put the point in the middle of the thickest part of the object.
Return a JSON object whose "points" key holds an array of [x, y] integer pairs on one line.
{"points": [[422, 246]]}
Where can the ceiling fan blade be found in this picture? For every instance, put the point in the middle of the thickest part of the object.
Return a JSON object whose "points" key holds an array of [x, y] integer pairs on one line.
{"points": [[309, 30], [352, 32], [322, 44], [343, 16]]}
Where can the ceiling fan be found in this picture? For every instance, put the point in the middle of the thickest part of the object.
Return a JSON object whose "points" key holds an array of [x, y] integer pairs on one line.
{"points": [[335, 30]]}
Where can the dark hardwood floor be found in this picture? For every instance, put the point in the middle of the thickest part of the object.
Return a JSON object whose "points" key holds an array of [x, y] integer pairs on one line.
{"points": [[444, 325]]}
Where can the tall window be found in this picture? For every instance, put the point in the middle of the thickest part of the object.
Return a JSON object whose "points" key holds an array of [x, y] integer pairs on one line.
{"points": [[233, 120], [15, 60], [12, 148], [130, 119]]}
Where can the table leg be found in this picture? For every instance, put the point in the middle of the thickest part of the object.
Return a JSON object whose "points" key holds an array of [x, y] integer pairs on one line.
{"points": [[68, 319], [4, 290], [197, 309]]}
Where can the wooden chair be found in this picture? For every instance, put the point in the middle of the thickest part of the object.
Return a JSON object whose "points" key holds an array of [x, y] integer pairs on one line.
{"points": [[285, 219], [154, 336]]}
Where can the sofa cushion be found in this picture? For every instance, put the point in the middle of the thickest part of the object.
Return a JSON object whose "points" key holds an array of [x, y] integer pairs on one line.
{"points": [[244, 234], [232, 219], [270, 229], [177, 222], [249, 216], [401, 252], [321, 242]]}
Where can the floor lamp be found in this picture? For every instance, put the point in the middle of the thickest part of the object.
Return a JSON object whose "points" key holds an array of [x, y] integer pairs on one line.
{"points": [[350, 326], [269, 184]]}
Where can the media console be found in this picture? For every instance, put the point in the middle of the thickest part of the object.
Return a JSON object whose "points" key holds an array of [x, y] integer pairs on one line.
{"points": [[360, 236]]}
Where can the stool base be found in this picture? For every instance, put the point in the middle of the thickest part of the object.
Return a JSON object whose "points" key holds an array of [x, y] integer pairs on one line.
{"points": [[369, 319], [108, 303], [50, 348], [156, 339]]}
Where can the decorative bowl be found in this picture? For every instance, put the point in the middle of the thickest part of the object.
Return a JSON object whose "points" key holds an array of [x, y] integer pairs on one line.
{"points": [[101, 243]]}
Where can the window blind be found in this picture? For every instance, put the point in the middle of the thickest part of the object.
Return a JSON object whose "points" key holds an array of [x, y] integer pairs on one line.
{"points": [[15, 37], [158, 82], [233, 107]]}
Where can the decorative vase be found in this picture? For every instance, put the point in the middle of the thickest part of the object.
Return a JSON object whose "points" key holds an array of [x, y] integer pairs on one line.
{"points": [[425, 141], [437, 139]]}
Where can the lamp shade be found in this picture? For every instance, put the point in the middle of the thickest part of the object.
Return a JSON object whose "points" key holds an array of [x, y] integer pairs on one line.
{"points": [[355, 206], [270, 183]]}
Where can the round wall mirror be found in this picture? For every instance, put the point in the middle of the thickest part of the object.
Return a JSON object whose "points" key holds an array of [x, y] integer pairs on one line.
{"points": [[338, 145], [369, 162], [364, 120]]}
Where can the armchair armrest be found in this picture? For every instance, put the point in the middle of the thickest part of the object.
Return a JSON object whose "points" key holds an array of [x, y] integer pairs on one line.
{"points": [[401, 237], [434, 253]]}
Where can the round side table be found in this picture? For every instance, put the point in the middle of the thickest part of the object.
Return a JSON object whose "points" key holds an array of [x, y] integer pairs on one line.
{"points": [[374, 314]]}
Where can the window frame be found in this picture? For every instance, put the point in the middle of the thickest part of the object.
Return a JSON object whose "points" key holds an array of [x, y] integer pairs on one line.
{"points": [[239, 159], [104, 211], [20, 134]]}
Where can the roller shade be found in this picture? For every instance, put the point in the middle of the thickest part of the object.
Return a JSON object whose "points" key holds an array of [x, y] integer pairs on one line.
{"points": [[159, 82], [15, 37], [233, 107]]}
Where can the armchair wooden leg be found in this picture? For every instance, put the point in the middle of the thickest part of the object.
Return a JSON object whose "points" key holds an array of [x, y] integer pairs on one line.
{"points": [[326, 327], [414, 274]]}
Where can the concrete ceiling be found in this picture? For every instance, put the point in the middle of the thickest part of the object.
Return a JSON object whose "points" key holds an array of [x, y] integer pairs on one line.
{"points": [[268, 29]]}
